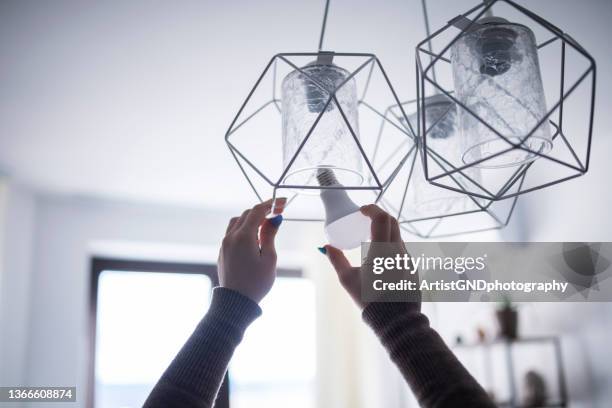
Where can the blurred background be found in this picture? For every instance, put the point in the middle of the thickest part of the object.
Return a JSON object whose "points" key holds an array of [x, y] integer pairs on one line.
{"points": [[116, 186]]}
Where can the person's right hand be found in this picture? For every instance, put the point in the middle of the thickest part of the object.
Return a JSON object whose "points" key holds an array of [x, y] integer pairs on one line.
{"points": [[385, 228], [247, 259]]}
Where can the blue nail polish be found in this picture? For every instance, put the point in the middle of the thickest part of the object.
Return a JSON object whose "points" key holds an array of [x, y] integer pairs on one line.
{"points": [[276, 221], [322, 250]]}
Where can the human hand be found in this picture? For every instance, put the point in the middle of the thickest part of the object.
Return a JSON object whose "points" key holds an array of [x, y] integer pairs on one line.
{"points": [[247, 259], [385, 228]]}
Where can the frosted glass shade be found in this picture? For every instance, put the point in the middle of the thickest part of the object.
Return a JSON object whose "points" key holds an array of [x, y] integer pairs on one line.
{"points": [[443, 141], [497, 76], [440, 122], [331, 145], [426, 200]]}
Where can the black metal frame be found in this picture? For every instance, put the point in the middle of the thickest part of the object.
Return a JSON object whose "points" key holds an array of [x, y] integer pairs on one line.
{"points": [[410, 225], [371, 61], [423, 70]]}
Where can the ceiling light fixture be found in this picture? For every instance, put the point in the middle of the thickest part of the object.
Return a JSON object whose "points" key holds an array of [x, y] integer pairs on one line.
{"points": [[329, 105], [428, 211], [480, 133], [500, 75]]}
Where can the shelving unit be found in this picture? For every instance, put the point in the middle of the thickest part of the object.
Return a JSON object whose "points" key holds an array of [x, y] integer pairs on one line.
{"points": [[508, 349]]}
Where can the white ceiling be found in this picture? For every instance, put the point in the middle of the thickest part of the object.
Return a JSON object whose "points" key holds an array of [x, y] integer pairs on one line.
{"points": [[131, 99]]}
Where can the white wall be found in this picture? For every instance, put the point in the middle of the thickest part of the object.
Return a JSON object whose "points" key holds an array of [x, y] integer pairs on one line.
{"points": [[17, 220]]}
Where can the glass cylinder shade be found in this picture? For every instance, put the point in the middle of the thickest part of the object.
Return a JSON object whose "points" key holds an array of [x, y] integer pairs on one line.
{"points": [[497, 76], [443, 141], [331, 144]]}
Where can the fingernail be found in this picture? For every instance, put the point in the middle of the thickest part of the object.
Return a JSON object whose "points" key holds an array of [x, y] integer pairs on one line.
{"points": [[279, 202], [322, 250], [276, 220]]}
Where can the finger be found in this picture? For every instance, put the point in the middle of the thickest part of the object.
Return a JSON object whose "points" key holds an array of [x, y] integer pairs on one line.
{"points": [[267, 233], [258, 214], [278, 205], [396, 235], [372, 210], [232, 223], [241, 220], [381, 222], [339, 262]]}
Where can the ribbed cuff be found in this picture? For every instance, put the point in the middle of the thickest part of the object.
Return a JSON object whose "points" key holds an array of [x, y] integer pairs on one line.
{"points": [[378, 314], [232, 307]]}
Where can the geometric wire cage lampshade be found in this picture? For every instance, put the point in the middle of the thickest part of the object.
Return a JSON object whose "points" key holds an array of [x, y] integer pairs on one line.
{"points": [[523, 91], [310, 124], [428, 211]]}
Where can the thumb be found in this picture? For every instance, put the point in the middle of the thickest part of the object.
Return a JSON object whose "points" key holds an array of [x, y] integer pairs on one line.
{"points": [[267, 233], [339, 262]]}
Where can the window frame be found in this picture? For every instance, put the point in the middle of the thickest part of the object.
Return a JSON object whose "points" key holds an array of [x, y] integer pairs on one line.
{"points": [[101, 264]]}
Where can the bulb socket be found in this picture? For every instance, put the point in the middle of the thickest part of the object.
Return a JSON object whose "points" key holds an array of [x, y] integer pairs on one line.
{"points": [[327, 76], [495, 46]]}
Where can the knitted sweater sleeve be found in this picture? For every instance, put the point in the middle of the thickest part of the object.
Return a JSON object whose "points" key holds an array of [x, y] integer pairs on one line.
{"points": [[433, 372], [437, 378], [195, 375]]}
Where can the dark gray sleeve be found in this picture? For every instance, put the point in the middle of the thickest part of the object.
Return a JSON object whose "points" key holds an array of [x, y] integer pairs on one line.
{"points": [[431, 369], [194, 377]]}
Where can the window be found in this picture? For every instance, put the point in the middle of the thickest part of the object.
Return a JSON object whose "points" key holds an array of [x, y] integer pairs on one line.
{"points": [[274, 367], [143, 312]]}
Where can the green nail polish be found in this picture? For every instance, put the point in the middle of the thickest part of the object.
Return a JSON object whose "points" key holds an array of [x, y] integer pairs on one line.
{"points": [[322, 250]]}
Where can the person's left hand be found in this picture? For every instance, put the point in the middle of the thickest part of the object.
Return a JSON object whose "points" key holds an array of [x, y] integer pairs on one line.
{"points": [[247, 259], [385, 229]]}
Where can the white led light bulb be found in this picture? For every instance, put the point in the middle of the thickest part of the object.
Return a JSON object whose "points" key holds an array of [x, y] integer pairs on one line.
{"points": [[345, 226]]}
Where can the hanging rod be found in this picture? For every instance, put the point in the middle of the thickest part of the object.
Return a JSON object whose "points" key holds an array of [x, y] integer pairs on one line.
{"points": [[323, 25]]}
